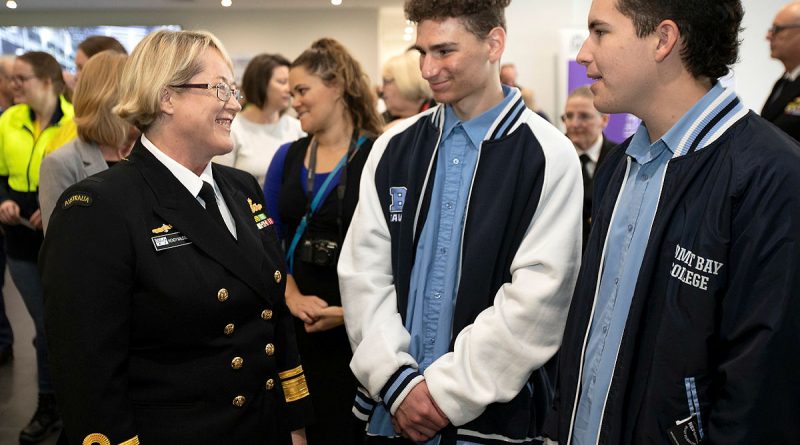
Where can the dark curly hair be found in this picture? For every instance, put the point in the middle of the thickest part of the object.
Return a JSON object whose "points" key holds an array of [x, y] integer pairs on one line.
{"points": [[331, 61], [709, 30], [478, 16]]}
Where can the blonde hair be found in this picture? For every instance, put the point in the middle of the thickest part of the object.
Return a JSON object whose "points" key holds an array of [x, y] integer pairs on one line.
{"points": [[404, 71], [161, 59], [96, 94]]}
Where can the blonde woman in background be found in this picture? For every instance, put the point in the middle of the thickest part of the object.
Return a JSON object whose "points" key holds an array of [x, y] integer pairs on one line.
{"points": [[405, 92], [263, 126], [103, 137]]}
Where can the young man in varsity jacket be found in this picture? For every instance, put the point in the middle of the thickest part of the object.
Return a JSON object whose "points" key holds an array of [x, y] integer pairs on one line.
{"points": [[685, 321], [457, 271]]}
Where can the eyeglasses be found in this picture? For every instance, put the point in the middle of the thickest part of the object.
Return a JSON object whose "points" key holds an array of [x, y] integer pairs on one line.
{"points": [[224, 91], [775, 29], [20, 79]]}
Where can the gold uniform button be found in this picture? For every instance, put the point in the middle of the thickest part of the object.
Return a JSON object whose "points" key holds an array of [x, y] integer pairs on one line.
{"points": [[266, 314], [270, 384], [229, 329], [269, 349], [237, 363], [277, 275], [238, 401], [222, 294]]}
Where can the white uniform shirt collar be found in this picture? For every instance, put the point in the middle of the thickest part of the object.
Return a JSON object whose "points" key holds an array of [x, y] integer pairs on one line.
{"points": [[191, 181], [594, 151], [792, 76]]}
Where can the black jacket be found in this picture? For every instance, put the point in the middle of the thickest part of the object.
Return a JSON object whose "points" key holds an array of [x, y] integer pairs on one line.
{"points": [[784, 110], [588, 188], [716, 302], [151, 305]]}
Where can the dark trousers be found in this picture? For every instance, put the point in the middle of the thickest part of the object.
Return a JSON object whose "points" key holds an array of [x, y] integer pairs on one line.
{"points": [[6, 334]]}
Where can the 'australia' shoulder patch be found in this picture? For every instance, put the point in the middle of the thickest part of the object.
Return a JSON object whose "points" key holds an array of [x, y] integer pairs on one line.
{"points": [[77, 198]]}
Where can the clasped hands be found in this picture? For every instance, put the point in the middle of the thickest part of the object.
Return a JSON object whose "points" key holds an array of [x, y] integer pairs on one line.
{"points": [[418, 418], [314, 312]]}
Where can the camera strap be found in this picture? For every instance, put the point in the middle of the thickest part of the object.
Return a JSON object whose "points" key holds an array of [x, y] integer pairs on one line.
{"points": [[315, 202]]}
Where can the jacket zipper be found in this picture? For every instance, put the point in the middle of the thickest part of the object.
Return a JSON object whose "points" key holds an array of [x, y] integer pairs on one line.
{"points": [[594, 305]]}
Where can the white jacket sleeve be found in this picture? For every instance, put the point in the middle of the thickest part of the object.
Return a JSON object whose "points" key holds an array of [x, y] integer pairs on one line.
{"points": [[374, 325]]}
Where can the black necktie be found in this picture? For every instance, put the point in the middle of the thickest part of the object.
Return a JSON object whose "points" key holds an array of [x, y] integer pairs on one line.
{"points": [[208, 196], [585, 160], [775, 95]]}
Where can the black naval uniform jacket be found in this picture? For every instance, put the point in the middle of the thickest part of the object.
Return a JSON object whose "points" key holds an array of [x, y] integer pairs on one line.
{"points": [[162, 328], [784, 110], [714, 323]]}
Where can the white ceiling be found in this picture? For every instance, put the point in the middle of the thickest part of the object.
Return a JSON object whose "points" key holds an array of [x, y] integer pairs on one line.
{"points": [[161, 5]]}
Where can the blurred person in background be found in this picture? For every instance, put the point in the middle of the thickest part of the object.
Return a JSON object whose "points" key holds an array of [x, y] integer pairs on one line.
{"points": [[782, 107], [508, 76], [6, 333], [405, 92], [93, 45], [312, 189], [6, 92], [584, 126], [86, 49], [164, 297], [263, 126], [40, 122], [103, 137]]}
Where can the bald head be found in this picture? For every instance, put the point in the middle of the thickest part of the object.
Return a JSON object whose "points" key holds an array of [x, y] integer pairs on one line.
{"points": [[6, 95], [784, 36], [508, 74]]}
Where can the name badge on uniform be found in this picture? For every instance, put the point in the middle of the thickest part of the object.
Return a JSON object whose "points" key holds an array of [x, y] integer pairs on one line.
{"points": [[168, 240]]}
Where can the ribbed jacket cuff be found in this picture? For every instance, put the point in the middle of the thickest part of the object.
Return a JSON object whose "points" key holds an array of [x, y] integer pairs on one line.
{"points": [[398, 387], [363, 405]]}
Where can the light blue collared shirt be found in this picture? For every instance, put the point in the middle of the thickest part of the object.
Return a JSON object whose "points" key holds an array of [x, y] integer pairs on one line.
{"points": [[436, 271], [625, 247]]}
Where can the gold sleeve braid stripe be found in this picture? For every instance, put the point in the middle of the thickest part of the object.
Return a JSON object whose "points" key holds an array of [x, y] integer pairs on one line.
{"points": [[295, 389], [96, 439], [101, 439], [291, 373]]}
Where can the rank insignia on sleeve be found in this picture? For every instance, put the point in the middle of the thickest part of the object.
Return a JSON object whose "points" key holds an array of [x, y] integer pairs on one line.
{"points": [[78, 198], [253, 206], [163, 229]]}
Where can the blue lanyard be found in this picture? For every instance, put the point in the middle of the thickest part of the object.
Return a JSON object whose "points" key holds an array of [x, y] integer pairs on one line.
{"points": [[301, 228]]}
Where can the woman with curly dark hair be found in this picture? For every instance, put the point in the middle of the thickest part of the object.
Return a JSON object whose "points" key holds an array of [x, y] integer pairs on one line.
{"points": [[311, 192]]}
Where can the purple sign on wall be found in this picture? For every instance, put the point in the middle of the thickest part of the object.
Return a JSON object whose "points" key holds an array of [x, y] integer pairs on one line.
{"points": [[620, 126]]}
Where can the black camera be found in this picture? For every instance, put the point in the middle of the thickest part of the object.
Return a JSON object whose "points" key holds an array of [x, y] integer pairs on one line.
{"points": [[320, 252]]}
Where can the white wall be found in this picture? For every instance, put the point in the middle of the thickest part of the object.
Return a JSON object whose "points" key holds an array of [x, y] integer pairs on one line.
{"points": [[244, 33], [533, 43]]}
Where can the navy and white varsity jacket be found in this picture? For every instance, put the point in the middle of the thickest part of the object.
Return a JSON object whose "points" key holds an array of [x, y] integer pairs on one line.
{"points": [[519, 260], [713, 332]]}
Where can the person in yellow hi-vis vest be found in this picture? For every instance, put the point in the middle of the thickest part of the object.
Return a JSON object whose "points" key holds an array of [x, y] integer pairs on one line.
{"points": [[40, 122]]}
